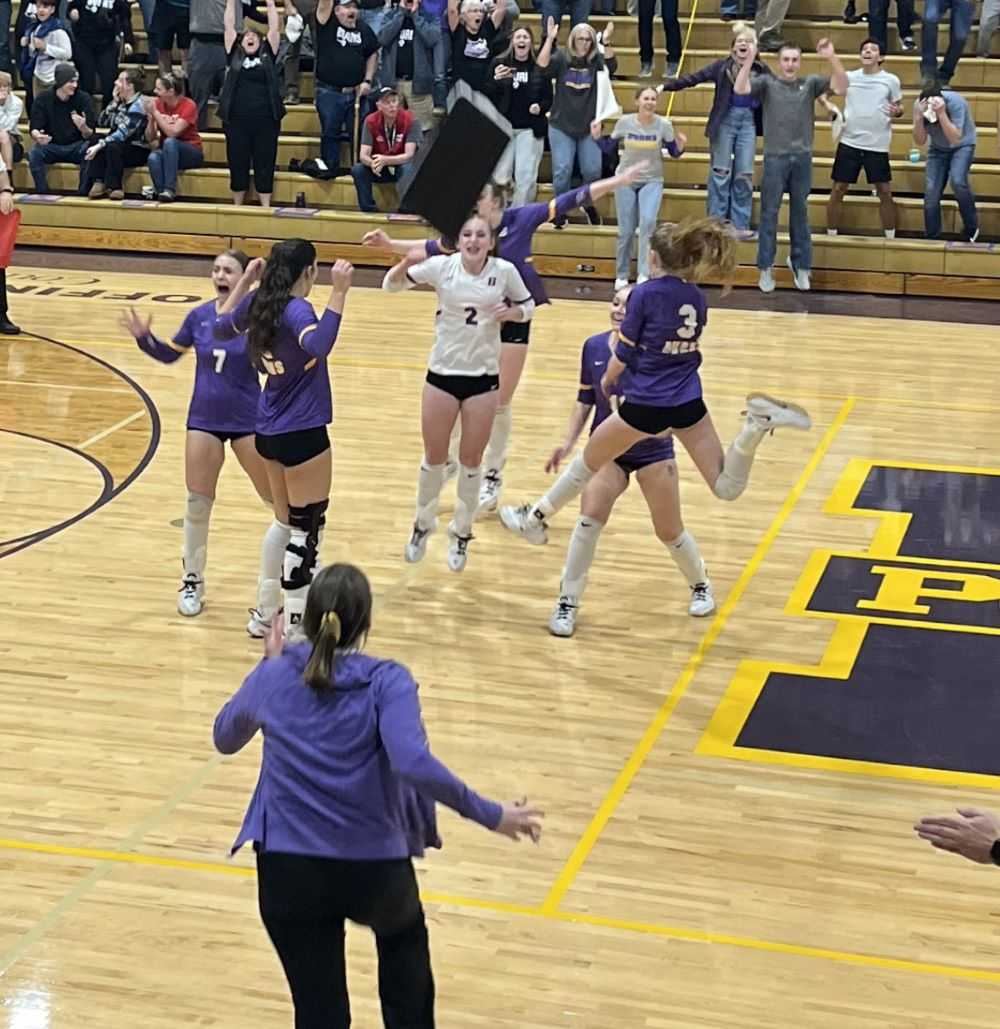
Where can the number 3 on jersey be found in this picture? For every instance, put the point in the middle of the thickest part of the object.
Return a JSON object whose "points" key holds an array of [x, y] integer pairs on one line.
{"points": [[686, 333]]}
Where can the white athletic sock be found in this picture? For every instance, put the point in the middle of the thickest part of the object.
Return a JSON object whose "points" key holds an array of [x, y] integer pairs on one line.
{"points": [[579, 557], [272, 556], [831, 232], [428, 490], [196, 518], [467, 490], [569, 485], [735, 475], [295, 599], [455, 440], [684, 550], [889, 233], [496, 449]]}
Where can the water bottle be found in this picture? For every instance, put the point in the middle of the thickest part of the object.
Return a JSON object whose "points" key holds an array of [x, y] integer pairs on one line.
{"points": [[915, 155]]}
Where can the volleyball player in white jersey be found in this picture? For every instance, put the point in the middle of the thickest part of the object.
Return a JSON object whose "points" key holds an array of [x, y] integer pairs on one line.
{"points": [[477, 292]]}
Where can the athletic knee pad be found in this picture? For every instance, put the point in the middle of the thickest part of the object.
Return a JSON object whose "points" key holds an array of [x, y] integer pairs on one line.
{"points": [[310, 518], [301, 553]]}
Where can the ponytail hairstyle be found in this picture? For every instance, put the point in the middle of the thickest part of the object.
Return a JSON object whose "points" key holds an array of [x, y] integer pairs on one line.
{"points": [[696, 249], [338, 616], [171, 82], [286, 263], [497, 193]]}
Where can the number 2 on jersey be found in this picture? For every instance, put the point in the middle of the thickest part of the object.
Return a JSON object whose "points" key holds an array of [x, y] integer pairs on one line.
{"points": [[470, 318], [220, 360]]}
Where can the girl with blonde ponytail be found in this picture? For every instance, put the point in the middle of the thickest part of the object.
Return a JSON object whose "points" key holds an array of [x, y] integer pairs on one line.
{"points": [[657, 357]]}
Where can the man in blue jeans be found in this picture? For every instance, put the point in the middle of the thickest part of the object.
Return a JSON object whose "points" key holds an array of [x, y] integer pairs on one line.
{"points": [[962, 14], [62, 125], [942, 117], [346, 62], [788, 102]]}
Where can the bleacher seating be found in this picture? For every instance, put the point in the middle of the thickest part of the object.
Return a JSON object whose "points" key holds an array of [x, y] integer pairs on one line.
{"points": [[859, 258]]}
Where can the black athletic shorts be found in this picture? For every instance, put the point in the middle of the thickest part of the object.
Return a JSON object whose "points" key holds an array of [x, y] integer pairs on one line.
{"points": [[294, 448], [462, 387], [850, 160], [654, 420], [515, 332], [170, 23], [222, 437]]}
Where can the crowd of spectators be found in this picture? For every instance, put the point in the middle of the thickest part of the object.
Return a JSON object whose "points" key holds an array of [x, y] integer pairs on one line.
{"points": [[394, 63]]}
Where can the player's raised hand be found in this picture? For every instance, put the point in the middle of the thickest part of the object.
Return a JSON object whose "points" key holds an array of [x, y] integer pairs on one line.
{"points": [[825, 48], [136, 324], [341, 276]]}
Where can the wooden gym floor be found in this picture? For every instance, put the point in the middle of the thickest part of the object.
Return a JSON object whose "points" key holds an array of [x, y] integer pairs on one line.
{"points": [[729, 801]]}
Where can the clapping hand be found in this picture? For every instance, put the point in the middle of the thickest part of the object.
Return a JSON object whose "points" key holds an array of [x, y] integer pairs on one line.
{"points": [[520, 820], [825, 49], [78, 119]]}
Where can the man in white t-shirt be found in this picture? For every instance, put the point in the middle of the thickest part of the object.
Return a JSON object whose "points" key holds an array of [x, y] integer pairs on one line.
{"points": [[874, 99]]}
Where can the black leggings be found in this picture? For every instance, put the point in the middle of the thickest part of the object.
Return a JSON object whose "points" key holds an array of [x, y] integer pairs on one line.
{"points": [[253, 142], [99, 64], [304, 902]]}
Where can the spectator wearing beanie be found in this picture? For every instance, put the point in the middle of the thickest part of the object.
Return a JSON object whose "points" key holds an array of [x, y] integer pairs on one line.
{"points": [[45, 43], [409, 36], [389, 141], [97, 24], [176, 143], [11, 107], [62, 126], [126, 145], [250, 107]]}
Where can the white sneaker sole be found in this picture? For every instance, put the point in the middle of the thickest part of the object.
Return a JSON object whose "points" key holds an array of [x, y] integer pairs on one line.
{"points": [[779, 413], [512, 520], [561, 630]]}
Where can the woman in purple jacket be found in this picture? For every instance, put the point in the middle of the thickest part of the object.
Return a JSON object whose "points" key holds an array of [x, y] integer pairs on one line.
{"points": [[734, 123], [344, 801]]}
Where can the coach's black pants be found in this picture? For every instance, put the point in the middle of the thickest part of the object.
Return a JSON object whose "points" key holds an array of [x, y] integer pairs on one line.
{"points": [[304, 902]]}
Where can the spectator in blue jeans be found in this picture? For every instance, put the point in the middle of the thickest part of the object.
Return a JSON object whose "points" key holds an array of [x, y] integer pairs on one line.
{"points": [[346, 61], [389, 142], [942, 117], [962, 14], [573, 126], [788, 102], [62, 126], [579, 11], [177, 144], [637, 203], [734, 123]]}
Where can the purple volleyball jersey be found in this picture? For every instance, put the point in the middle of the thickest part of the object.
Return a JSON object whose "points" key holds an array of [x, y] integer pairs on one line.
{"points": [[664, 319], [226, 386], [296, 393], [517, 227], [593, 365]]}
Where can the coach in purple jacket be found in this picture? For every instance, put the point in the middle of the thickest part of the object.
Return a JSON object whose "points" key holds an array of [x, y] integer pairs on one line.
{"points": [[734, 123], [344, 800]]}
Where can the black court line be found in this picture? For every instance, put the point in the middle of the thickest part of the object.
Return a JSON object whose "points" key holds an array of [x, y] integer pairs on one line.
{"points": [[110, 490]]}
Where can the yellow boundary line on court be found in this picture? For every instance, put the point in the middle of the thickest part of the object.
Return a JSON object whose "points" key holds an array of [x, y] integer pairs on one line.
{"points": [[642, 750], [670, 932]]}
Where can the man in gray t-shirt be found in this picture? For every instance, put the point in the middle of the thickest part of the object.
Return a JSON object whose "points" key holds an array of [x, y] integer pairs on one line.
{"points": [[788, 103]]}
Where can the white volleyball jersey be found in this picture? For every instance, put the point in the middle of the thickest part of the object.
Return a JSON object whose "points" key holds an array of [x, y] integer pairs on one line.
{"points": [[467, 338]]}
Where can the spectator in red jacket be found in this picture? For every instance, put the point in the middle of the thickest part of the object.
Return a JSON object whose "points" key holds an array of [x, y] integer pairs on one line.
{"points": [[389, 141], [177, 144]]}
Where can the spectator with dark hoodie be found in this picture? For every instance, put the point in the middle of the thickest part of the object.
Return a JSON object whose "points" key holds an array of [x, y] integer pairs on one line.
{"points": [[734, 123], [45, 44], [62, 127], [97, 24], [126, 145], [523, 95]]}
